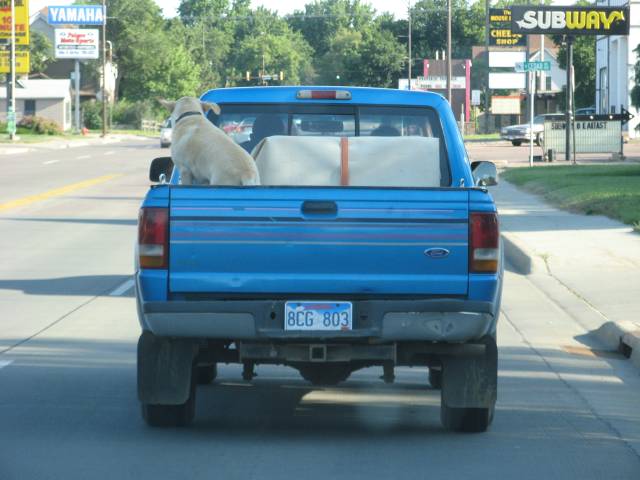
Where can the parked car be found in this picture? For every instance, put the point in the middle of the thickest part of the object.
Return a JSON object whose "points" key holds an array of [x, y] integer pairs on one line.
{"points": [[586, 110], [346, 257], [165, 134], [518, 134]]}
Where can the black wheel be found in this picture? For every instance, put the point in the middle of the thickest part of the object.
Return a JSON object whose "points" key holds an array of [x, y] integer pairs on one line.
{"points": [[206, 374], [516, 143], [326, 373], [180, 415], [435, 378], [539, 139], [470, 420]]}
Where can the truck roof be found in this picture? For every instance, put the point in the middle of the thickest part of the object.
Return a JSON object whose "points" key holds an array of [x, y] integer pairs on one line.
{"points": [[359, 95]]}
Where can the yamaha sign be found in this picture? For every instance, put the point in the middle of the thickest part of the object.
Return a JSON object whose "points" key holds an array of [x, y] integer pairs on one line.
{"points": [[570, 20]]}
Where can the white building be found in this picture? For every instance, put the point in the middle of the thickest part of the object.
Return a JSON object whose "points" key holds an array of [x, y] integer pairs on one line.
{"points": [[50, 99], [615, 62]]}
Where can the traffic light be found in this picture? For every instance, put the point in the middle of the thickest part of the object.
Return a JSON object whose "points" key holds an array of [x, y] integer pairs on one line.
{"points": [[248, 76]]}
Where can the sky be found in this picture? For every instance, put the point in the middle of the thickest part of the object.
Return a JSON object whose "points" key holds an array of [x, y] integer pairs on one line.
{"points": [[397, 7]]}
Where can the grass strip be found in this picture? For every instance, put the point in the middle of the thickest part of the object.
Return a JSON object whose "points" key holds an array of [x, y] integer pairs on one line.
{"points": [[611, 190]]}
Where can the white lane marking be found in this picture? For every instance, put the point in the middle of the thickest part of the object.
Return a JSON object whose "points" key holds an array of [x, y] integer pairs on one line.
{"points": [[5, 363], [50, 162], [110, 152], [125, 287], [82, 157]]}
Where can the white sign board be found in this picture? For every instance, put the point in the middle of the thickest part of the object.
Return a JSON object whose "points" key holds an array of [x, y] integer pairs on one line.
{"points": [[440, 83], [592, 136], [77, 15], [505, 105], [77, 43], [509, 81], [475, 97], [505, 59]]}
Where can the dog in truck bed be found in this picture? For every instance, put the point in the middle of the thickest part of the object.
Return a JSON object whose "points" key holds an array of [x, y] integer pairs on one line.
{"points": [[203, 153]]}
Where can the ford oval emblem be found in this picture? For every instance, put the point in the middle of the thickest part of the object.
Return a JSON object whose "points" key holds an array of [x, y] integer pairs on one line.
{"points": [[436, 252]]}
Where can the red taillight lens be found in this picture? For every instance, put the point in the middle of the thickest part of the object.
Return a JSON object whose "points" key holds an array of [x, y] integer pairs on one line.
{"points": [[323, 95], [153, 237], [484, 242]]}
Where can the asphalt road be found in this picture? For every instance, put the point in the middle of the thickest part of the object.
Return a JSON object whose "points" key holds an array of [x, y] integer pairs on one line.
{"points": [[68, 407]]}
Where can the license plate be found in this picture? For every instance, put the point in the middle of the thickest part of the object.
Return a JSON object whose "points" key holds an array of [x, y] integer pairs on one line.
{"points": [[318, 316]]}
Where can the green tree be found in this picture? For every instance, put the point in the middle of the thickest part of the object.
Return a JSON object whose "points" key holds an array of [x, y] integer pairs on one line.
{"points": [[584, 64], [429, 18], [150, 53], [321, 20], [267, 39], [191, 11], [40, 52], [370, 58], [635, 91]]}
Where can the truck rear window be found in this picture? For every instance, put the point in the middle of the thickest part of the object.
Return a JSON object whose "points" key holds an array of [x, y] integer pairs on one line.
{"points": [[248, 124]]}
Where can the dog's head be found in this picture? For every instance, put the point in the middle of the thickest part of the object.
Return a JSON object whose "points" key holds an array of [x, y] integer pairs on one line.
{"points": [[188, 104]]}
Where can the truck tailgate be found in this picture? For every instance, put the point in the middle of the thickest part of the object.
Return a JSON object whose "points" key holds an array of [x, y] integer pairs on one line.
{"points": [[315, 241]]}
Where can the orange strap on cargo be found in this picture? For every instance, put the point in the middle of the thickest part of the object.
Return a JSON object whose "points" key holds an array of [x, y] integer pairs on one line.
{"points": [[344, 161]]}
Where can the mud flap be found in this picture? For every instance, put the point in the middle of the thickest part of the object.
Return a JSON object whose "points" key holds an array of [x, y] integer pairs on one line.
{"points": [[164, 369], [471, 381]]}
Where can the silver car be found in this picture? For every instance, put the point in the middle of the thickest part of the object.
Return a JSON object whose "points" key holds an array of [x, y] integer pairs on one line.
{"points": [[165, 134], [518, 134]]}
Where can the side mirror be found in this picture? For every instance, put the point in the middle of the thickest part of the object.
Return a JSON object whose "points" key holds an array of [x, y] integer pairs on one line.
{"points": [[485, 174], [161, 166]]}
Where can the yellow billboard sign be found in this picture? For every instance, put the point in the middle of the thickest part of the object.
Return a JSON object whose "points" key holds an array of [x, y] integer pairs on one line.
{"points": [[22, 21], [22, 61]]}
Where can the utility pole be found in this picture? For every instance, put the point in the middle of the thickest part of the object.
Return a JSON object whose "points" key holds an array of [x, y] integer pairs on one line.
{"points": [[104, 69], [567, 116], [11, 97], [449, 51], [486, 50], [410, 57]]}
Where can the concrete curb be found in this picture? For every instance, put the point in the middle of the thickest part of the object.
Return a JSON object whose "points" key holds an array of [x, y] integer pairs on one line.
{"points": [[519, 257], [61, 144], [623, 337], [14, 150]]}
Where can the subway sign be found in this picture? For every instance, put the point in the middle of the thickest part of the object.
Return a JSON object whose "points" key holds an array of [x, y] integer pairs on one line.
{"points": [[570, 20]]}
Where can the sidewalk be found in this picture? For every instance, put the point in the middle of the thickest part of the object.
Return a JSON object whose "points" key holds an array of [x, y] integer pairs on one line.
{"points": [[62, 143], [596, 259]]}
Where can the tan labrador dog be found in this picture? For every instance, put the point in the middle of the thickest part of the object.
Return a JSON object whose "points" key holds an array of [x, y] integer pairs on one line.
{"points": [[203, 153]]}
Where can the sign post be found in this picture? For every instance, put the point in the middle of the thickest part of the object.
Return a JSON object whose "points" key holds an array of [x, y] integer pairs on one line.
{"points": [[75, 43], [79, 44], [11, 126]]}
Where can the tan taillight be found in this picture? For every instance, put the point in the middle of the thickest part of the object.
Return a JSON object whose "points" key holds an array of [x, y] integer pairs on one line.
{"points": [[153, 237], [484, 242]]}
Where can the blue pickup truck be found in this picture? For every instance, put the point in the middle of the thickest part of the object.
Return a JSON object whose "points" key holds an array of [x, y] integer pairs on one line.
{"points": [[395, 262]]}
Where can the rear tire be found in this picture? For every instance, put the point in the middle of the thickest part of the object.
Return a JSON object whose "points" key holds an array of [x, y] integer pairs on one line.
{"points": [[206, 374], [516, 143], [539, 139], [325, 373], [180, 415], [469, 420]]}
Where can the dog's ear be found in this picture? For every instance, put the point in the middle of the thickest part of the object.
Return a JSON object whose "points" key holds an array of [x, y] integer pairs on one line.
{"points": [[167, 104], [206, 106]]}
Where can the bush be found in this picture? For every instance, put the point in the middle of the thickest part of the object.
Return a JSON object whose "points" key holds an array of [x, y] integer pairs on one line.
{"points": [[92, 115], [126, 112], [40, 125]]}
